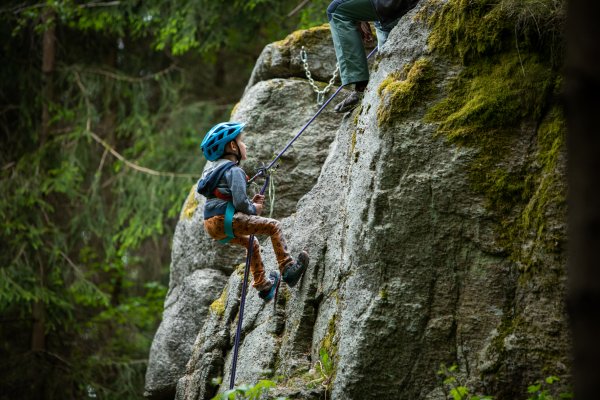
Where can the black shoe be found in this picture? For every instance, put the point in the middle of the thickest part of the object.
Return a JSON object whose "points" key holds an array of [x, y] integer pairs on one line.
{"points": [[294, 271], [267, 294], [349, 103]]}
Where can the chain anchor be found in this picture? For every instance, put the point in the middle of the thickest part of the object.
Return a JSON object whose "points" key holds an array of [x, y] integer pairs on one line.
{"points": [[320, 93]]}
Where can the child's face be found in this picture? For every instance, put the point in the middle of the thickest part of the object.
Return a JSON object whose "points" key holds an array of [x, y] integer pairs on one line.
{"points": [[240, 142]]}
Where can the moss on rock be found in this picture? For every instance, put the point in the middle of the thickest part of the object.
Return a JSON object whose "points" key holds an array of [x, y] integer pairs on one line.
{"points": [[472, 29], [218, 306], [493, 95], [402, 90], [191, 203], [305, 37], [486, 108], [503, 105]]}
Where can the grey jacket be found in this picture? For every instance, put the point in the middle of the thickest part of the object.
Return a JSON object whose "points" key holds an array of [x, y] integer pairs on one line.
{"points": [[232, 184]]}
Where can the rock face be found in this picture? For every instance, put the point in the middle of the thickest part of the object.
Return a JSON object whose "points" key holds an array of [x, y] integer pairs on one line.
{"points": [[409, 268], [274, 111], [282, 59]]}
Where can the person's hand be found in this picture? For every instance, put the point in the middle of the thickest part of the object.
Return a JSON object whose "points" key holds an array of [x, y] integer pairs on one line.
{"points": [[259, 208], [259, 198], [365, 32]]}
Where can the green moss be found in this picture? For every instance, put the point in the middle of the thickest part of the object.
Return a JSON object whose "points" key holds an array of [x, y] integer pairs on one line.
{"points": [[484, 107], [326, 365], [234, 110], [425, 13], [487, 107], [190, 205], [548, 192], [357, 113], [470, 29], [383, 294], [493, 95], [502, 106], [305, 37], [239, 269], [329, 343], [402, 90], [218, 306]]}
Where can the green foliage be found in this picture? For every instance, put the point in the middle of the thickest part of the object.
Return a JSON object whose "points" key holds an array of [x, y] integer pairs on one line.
{"points": [[453, 387], [86, 234], [541, 390], [325, 368], [249, 392], [313, 14]]}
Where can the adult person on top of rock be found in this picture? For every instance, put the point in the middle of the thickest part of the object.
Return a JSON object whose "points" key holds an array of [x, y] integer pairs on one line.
{"points": [[347, 21]]}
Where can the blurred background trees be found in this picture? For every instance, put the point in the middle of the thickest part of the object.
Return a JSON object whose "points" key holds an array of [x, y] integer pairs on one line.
{"points": [[103, 105]]}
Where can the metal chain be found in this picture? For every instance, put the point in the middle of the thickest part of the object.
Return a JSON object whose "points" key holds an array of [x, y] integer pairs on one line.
{"points": [[311, 81]]}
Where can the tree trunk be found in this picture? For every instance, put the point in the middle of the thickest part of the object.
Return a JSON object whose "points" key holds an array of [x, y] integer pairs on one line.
{"points": [[38, 331], [582, 92], [48, 64]]}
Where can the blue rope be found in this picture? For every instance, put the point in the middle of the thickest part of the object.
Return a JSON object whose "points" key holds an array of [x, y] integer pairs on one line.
{"points": [[264, 172], [238, 332]]}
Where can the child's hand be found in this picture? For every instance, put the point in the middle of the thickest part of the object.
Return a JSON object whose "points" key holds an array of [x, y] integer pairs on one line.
{"points": [[259, 207], [258, 198]]}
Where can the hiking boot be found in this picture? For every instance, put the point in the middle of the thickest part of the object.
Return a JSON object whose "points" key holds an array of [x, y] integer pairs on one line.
{"points": [[267, 294], [293, 272], [349, 103]]}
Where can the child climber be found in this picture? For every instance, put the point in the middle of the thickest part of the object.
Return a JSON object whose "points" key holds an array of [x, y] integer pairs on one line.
{"points": [[230, 216]]}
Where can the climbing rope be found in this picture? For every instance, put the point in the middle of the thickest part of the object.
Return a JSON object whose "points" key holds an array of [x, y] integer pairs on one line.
{"points": [[320, 93], [238, 332], [264, 171]]}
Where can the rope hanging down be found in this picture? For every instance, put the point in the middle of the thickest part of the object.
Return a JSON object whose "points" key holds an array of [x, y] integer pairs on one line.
{"points": [[264, 171], [238, 332]]}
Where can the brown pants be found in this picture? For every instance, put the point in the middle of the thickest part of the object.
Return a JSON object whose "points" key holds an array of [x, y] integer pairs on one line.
{"points": [[245, 225]]}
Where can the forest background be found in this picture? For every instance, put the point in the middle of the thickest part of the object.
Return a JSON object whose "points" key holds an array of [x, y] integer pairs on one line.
{"points": [[103, 105]]}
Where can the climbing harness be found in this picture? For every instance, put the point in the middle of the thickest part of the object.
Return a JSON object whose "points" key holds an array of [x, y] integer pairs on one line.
{"points": [[320, 93], [229, 211], [264, 172], [228, 223]]}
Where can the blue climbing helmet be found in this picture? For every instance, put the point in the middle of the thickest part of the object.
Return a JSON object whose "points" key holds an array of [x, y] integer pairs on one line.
{"points": [[213, 145]]}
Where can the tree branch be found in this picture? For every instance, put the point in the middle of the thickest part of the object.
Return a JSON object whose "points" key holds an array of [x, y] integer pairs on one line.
{"points": [[133, 165], [298, 8], [104, 4], [23, 7], [115, 153], [121, 77]]}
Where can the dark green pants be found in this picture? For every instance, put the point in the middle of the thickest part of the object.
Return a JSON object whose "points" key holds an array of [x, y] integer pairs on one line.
{"points": [[344, 16]]}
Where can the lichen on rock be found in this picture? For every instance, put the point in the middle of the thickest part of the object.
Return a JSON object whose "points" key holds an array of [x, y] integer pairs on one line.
{"points": [[190, 205]]}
